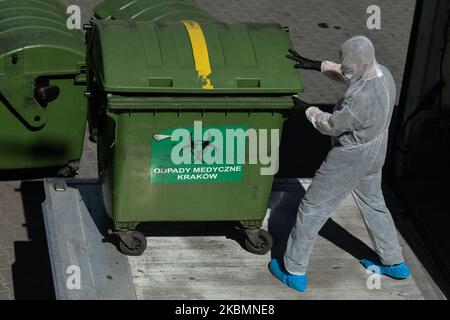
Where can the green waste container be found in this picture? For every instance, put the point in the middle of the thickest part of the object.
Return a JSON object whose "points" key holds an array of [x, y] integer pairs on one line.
{"points": [[42, 84], [149, 79], [151, 10]]}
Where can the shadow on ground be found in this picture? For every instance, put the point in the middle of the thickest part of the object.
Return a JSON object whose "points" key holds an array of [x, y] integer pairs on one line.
{"points": [[28, 174], [32, 276], [92, 198], [284, 203]]}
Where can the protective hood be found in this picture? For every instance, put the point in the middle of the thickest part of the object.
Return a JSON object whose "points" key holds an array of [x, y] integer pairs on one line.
{"points": [[358, 60]]}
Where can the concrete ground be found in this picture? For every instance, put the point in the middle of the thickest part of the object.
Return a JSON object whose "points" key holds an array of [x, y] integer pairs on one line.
{"points": [[214, 267], [207, 261], [318, 27]]}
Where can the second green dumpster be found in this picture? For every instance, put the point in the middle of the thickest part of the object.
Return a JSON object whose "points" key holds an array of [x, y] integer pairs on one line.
{"points": [[162, 91], [42, 81]]}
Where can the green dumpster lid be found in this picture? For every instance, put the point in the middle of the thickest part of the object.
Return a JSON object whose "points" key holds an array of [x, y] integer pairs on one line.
{"points": [[35, 42], [38, 25], [50, 9], [150, 10], [190, 57]]}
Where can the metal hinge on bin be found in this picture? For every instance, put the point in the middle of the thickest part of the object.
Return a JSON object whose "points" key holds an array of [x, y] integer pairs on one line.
{"points": [[17, 93], [80, 78], [25, 106]]}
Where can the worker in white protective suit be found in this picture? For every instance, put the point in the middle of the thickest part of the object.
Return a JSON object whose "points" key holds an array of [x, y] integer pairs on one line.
{"points": [[359, 130]]}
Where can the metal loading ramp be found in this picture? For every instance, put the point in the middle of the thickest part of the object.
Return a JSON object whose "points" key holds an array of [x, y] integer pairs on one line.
{"points": [[76, 227], [206, 261]]}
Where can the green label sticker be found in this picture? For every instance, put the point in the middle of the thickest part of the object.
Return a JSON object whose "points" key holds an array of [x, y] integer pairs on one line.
{"points": [[198, 155]]}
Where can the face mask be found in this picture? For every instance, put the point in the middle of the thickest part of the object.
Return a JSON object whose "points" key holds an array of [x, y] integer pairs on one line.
{"points": [[347, 73]]}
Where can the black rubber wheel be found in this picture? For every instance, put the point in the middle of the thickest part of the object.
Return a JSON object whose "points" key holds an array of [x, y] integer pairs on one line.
{"points": [[93, 139], [133, 243], [67, 172], [265, 243]]}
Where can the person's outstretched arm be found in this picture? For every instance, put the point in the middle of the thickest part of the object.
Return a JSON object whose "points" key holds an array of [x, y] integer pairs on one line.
{"points": [[332, 70], [302, 62]]}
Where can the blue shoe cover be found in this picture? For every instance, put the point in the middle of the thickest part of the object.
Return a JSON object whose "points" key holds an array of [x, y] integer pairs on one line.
{"points": [[293, 281], [398, 271]]}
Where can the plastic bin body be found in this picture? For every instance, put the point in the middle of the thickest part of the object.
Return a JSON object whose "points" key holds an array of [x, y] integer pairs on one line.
{"points": [[158, 83], [37, 51]]}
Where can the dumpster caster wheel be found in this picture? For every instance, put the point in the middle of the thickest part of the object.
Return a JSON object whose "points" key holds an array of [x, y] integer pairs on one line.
{"points": [[69, 171], [258, 241], [133, 243]]}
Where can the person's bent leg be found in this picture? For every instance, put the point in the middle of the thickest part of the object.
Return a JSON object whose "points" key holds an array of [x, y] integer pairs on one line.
{"points": [[312, 214], [332, 183], [380, 225], [310, 219], [378, 219]]}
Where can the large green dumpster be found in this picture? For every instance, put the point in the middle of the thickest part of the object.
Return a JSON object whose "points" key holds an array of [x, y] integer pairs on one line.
{"points": [[42, 81], [151, 10], [149, 79]]}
